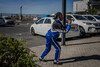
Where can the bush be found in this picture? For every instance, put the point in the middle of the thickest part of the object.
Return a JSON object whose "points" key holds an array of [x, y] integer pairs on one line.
{"points": [[14, 54]]}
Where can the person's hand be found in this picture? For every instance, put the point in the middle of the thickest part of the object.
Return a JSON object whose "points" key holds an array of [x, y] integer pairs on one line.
{"points": [[69, 21], [65, 31]]}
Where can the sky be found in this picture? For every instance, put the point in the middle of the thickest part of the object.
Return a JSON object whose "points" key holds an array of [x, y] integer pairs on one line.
{"points": [[34, 6]]}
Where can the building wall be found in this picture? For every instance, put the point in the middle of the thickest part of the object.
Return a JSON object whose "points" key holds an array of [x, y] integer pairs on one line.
{"points": [[82, 5], [79, 6]]}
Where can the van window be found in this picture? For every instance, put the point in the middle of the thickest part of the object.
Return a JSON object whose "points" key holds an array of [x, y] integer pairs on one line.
{"points": [[78, 17], [97, 17], [90, 18]]}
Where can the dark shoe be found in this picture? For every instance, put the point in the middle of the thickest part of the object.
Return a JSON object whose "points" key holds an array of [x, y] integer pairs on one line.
{"points": [[58, 63], [42, 60]]}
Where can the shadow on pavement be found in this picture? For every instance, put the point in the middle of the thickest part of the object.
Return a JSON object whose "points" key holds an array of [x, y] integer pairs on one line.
{"points": [[76, 59], [80, 58]]}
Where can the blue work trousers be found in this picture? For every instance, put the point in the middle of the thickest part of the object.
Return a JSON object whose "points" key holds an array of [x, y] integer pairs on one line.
{"points": [[51, 39]]}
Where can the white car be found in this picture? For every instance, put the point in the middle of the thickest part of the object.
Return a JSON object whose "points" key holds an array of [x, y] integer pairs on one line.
{"points": [[92, 17], [44, 24], [85, 26], [2, 22], [41, 26], [97, 17], [6, 21]]}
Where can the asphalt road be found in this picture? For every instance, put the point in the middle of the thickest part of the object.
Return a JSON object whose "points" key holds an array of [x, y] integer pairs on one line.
{"points": [[23, 31]]}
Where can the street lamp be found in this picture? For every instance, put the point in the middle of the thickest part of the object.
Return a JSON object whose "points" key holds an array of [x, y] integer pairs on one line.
{"points": [[21, 12], [64, 20]]}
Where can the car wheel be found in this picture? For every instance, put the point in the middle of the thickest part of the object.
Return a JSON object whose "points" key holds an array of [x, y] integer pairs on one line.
{"points": [[33, 31], [82, 31]]}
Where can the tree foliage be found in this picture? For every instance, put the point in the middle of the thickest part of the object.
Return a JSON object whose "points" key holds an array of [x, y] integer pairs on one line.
{"points": [[13, 53], [92, 11]]}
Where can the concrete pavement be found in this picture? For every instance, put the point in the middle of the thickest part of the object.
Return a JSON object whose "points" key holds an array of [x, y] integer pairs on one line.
{"points": [[74, 54]]}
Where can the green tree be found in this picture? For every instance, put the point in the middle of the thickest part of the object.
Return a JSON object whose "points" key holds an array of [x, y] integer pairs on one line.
{"points": [[92, 11]]}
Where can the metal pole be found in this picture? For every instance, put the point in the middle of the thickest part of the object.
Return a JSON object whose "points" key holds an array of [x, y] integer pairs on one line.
{"points": [[64, 20], [21, 13]]}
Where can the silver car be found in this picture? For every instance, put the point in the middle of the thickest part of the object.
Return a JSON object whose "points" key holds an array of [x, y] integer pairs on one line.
{"points": [[6, 21], [2, 22]]}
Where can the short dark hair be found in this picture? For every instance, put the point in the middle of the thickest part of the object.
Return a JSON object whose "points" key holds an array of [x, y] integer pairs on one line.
{"points": [[57, 15]]}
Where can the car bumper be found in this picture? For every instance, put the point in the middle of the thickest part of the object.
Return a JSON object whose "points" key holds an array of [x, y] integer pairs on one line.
{"points": [[93, 30]]}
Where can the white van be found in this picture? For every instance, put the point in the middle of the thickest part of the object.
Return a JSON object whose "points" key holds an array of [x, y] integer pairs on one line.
{"points": [[85, 26], [97, 17], [92, 17]]}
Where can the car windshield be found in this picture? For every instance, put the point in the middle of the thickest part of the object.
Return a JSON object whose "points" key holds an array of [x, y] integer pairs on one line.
{"points": [[78, 17], [90, 18], [97, 17]]}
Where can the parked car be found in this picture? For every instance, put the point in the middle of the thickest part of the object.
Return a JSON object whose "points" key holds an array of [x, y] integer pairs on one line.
{"points": [[97, 17], [41, 26], [2, 22], [89, 17], [85, 26], [6, 21], [44, 24], [92, 17]]}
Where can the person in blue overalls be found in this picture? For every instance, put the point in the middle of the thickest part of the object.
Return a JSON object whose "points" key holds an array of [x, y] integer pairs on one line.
{"points": [[52, 35]]}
